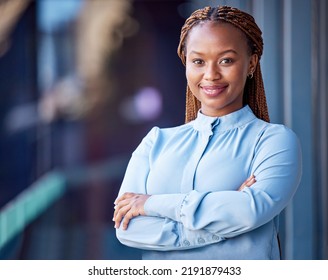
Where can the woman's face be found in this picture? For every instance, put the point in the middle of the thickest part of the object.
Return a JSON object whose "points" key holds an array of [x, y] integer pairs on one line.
{"points": [[217, 64]]}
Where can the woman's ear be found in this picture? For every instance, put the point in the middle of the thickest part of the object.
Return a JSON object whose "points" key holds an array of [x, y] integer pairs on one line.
{"points": [[253, 63]]}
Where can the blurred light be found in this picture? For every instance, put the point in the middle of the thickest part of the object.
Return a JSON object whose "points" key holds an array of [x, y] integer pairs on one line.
{"points": [[64, 100], [145, 105], [53, 13], [10, 12], [21, 118]]}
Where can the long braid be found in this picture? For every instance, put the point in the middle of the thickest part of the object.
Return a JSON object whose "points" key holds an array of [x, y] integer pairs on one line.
{"points": [[254, 94]]}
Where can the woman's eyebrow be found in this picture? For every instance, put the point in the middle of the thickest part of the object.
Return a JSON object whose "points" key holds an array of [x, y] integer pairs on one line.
{"points": [[221, 53]]}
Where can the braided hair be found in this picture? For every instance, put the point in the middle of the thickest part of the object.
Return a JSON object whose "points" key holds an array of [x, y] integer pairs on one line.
{"points": [[254, 94]]}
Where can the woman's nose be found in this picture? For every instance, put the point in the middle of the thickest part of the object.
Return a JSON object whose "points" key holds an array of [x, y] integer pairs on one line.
{"points": [[212, 72]]}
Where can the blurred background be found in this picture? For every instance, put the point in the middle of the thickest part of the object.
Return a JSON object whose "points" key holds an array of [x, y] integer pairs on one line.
{"points": [[83, 81]]}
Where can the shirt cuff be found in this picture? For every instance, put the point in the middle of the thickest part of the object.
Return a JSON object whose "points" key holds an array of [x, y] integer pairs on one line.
{"points": [[165, 206]]}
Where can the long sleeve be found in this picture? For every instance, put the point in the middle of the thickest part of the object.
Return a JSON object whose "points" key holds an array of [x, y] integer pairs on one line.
{"points": [[277, 168], [150, 232], [193, 176]]}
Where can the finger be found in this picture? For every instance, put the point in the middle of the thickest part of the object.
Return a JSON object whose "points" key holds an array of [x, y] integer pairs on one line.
{"points": [[127, 218], [119, 206], [243, 185], [249, 182], [123, 197], [120, 214], [250, 178]]}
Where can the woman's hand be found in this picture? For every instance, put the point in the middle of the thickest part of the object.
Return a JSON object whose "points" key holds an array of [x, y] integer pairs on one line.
{"points": [[127, 206], [249, 181], [131, 205]]}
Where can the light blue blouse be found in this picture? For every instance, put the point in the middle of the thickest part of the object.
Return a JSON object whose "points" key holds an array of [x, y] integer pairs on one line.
{"points": [[193, 172]]}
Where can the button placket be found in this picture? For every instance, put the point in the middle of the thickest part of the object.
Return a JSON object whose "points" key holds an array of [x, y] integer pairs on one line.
{"points": [[190, 169]]}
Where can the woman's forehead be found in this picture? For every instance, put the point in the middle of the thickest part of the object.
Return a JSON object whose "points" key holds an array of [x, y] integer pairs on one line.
{"points": [[218, 34]]}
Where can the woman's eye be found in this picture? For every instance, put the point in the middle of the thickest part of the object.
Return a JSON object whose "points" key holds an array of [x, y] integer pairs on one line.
{"points": [[226, 61], [198, 61]]}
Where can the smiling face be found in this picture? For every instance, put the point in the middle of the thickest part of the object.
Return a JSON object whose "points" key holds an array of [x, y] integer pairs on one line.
{"points": [[218, 61]]}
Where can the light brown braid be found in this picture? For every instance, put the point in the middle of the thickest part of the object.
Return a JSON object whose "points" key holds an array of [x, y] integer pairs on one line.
{"points": [[254, 94]]}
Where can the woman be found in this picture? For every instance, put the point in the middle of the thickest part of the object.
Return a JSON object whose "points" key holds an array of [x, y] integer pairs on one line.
{"points": [[212, 188]]}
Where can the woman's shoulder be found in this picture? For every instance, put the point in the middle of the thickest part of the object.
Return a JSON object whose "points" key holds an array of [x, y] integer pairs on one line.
{"points": [[275, 128], [158, 136], [169, 130], [276, 133]]}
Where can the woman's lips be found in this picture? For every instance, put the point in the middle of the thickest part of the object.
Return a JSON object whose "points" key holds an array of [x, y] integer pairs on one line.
{"points": [[213, 90]]}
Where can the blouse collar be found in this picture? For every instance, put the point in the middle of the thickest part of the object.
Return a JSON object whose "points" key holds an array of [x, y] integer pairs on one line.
{"points": [[235, 119]]}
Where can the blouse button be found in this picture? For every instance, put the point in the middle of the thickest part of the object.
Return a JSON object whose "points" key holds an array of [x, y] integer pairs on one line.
{"points": [[186, 243], [201, 240], [215, 237]]}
